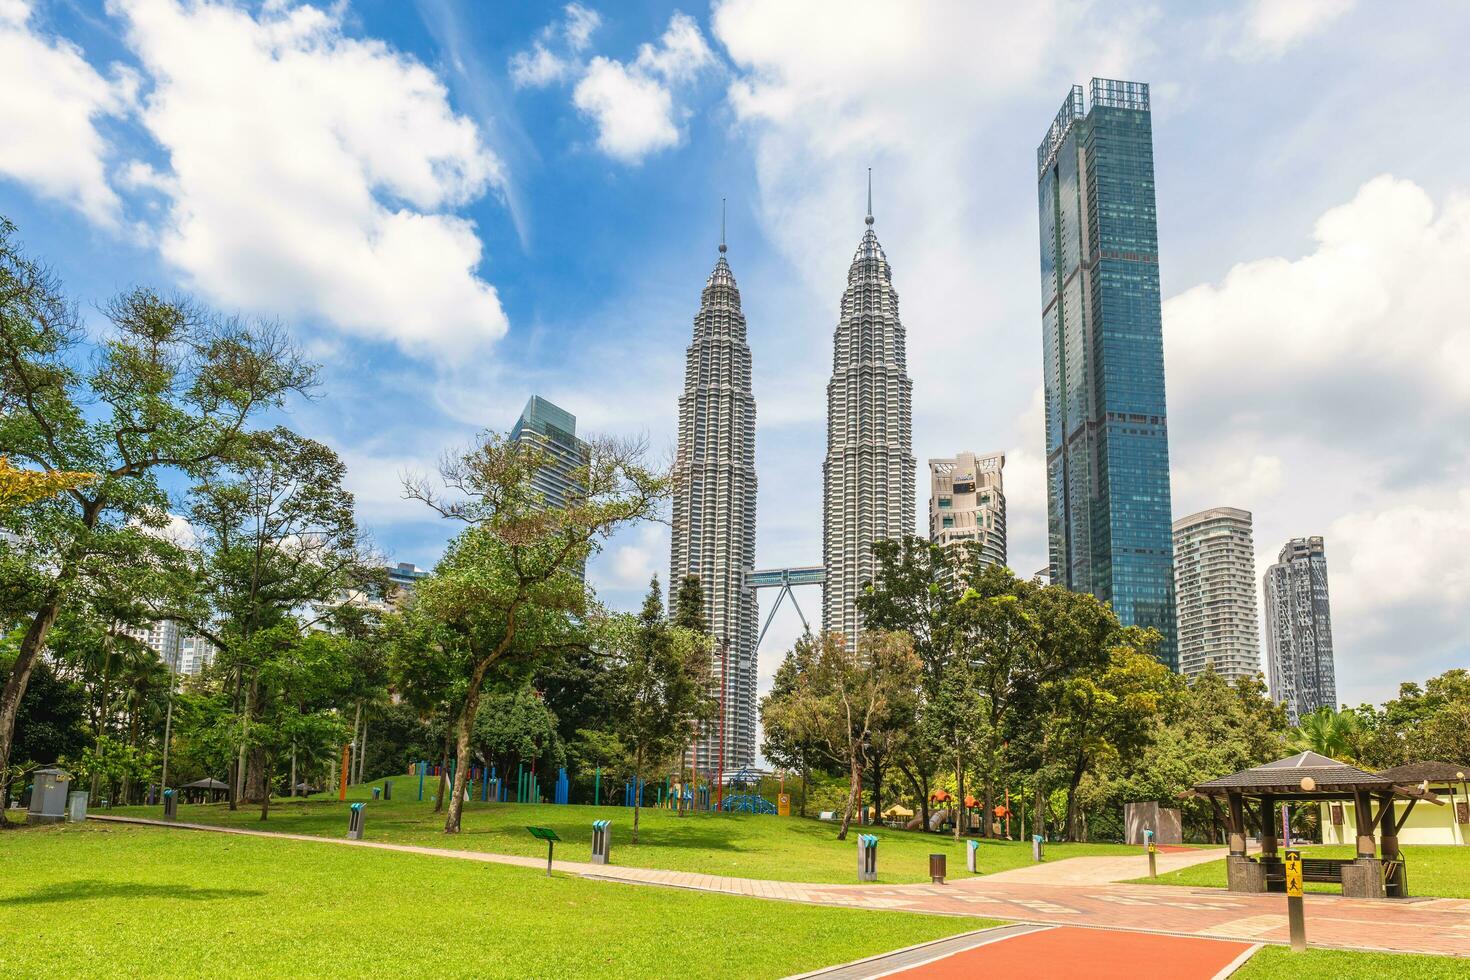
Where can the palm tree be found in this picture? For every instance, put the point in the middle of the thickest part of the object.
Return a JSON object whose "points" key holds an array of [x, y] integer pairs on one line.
{"points": [[1326, 732]]}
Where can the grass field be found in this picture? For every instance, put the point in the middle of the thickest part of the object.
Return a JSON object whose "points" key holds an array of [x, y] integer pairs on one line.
{"points": [[112, 900], [734, 844], [1280, 963], [1434, 871]]}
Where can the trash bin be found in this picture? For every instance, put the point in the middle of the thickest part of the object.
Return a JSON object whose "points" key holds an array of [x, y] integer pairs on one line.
{"points": [[972, 856], [601, 841], [867, 857], [355, 821], [76, 806], [48, 796], [936, 868], [377, 793], [1037, 847], [170, 805], [387, 789]]}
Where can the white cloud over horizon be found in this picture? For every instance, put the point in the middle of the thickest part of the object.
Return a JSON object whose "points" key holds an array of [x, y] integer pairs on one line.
{"points": [[631, 103], [51, 100]]}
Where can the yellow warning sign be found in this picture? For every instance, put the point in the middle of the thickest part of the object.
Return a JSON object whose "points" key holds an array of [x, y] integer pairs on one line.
{"points": [[783, 805], [1293, 874], [1152, 847]]}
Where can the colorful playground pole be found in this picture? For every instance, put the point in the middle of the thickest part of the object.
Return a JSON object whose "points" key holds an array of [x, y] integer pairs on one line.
{"points": [[520, 780], [597, 788], [420, 768]]}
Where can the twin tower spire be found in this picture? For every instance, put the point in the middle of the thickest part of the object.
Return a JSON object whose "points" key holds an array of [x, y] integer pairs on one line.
{"points": [[867, 474]]}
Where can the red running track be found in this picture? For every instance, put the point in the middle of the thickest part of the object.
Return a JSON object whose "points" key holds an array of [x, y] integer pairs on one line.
{"points": [[1096, 954]]}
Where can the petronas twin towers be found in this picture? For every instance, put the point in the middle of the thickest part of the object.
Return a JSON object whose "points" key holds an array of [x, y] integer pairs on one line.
{"points": [[867, 475]]}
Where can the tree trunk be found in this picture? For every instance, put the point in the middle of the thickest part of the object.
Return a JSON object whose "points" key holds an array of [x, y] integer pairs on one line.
{"points": [[466, 728], [362, 752], [293, 770], [1039, 815], [805, 773], [352, 763], [877, 769], [15, 685], [443, 774], [908, 774], [854, 794], [637, 791], [265, 798], [988, 802], [958, 803], [1072, 798]]}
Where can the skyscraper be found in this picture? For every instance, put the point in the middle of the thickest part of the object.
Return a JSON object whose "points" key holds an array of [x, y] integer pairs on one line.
{"points": [[714, 505], [1107, 442], [1299, 629], [1215, 584], [967, 503], [868, 475], [553, 430]]}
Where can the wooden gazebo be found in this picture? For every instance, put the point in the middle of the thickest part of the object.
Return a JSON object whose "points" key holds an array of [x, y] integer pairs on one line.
{"points": [[1312, 778], [201, 789]]}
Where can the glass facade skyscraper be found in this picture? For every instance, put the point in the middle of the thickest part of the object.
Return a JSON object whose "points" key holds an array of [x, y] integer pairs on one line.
{"points": [[1107, 444]]}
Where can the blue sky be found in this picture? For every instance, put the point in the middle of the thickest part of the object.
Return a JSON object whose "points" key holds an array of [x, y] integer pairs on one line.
{"points": [[455, 204]]}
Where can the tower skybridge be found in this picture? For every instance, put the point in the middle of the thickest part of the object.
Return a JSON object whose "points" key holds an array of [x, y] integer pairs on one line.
{"points": [[784, 579]]}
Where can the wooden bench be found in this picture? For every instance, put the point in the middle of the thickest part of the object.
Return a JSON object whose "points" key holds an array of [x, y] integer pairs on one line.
{"points": [[1323, 869]]}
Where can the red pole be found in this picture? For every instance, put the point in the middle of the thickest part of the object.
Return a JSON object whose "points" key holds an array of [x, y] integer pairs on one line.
{"points": [[346, 758], [724, 666]]}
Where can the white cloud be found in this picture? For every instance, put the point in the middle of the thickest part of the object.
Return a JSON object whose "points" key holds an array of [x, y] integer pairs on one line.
{"points": [[625, 568], [633, 112], [1330, 394], [310, 173], [50, 102], [1272, 26], [553, 55], [632, 104]]}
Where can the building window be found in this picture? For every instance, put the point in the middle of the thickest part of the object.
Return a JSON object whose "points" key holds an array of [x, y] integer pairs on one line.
{"points": [[946, 502], [948, 521]]}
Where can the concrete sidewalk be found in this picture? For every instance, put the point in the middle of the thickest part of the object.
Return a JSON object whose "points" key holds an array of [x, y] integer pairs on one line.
{"points": [[1104, 870], [1439, 926]]}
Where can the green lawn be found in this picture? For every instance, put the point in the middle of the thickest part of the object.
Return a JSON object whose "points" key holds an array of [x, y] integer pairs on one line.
{"points": [[733, 844], [1439, 871], [1280, 963], [112, 900]]}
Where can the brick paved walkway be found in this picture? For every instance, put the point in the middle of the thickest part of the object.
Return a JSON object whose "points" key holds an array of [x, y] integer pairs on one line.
{"points": [[1414, 926], [1102, 870]]}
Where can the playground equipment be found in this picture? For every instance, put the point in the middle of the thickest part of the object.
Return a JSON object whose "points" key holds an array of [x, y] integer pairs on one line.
{"points": [[747, 803], [633, 792], [867, 849], [170, 805], [563, 786], [355, 819], [601, 841]]}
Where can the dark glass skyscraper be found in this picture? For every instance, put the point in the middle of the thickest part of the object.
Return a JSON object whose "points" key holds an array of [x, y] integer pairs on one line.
{"points": [[1107, 441]]}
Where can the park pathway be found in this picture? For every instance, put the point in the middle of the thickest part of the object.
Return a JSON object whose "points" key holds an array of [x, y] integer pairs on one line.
{"points": [[1412, 926], [1062, 951]]}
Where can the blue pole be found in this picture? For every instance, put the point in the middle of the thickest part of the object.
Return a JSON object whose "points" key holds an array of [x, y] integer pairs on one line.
{"points": [[421, 783]]}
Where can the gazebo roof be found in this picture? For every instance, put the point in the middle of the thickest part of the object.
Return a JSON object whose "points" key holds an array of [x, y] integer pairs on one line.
{"points": [[1288, 773], [206, 784], [1418, 772]]}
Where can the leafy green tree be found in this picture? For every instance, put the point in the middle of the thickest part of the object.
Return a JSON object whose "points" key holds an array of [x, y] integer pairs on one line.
{"points": [[509, 587], [169, 389], [659, 688], [277, 541], [845, 697], [518, 725], [787, 737], [51, 724], [1327, 732]]}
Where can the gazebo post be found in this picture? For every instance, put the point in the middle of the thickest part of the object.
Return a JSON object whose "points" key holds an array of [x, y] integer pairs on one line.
{"points": [[1275, 873], [1237, 824], [1390, 845], [1241, 873]]}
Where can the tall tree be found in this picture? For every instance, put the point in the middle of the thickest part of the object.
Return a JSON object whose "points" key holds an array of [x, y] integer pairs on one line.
{"points": [[1327, 732], [278, 542], [169, 388], [844, 699], [788, 737], [509, 587], [659, 689]]}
